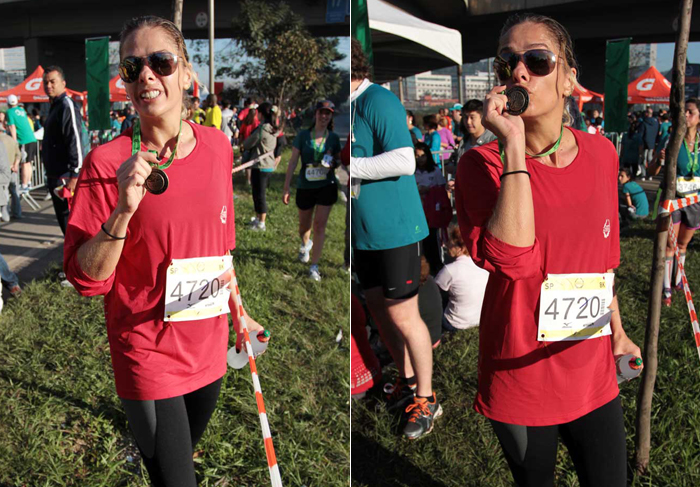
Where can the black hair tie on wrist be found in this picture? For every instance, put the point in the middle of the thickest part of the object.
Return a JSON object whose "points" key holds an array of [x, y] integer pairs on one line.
{"points": [[110, 235], [513, 172]]}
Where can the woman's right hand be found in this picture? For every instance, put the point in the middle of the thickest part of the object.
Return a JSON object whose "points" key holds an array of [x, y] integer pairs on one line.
{"points": [[131, 177], [503, 125], [285, 196]]}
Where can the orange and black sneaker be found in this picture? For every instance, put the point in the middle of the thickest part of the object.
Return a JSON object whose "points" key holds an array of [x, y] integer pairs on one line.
{"points": [[398, 394], [421, 416]]}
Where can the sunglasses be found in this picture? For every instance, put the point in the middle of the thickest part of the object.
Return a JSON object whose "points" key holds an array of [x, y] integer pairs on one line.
{"points": [[539, 62], [163, 63]]}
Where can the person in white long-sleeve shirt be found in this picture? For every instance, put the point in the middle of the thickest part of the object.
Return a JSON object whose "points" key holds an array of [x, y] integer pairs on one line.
{"points": [[388, 224]]}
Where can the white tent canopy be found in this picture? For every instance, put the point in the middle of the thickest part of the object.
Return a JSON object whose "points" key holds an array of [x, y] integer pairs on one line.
{"points": [[404, 45]]}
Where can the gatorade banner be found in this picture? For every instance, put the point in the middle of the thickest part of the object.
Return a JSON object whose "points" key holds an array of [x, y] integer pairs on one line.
{"points": [[97, 69], [617, 58], [359, 27]]}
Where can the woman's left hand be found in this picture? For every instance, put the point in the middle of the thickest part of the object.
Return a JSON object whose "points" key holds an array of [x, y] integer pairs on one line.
{"points": [[622, 345]]}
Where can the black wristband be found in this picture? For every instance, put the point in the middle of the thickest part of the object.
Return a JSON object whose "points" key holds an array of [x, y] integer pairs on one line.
{"points": [[110, 235], [513, 172]]}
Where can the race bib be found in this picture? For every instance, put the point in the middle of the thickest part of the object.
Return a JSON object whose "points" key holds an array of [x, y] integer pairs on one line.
{"points": [[316, 173], [197, 289], [575, 307], [687, 187]]}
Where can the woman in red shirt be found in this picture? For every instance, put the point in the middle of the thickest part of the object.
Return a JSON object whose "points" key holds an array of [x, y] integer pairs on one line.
{"points": [[151, 229], [540, 202]]}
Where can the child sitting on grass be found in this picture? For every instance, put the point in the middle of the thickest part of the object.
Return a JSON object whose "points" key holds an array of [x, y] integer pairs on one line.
{"points": [[464, 284], [634, 203]]}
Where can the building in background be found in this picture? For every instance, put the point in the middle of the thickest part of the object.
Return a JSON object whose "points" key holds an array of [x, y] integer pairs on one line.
{"points": [[12, 59]]}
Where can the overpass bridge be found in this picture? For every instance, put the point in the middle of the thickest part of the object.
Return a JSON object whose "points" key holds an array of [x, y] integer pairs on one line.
{"points": [[590, 22], [54, 31]]}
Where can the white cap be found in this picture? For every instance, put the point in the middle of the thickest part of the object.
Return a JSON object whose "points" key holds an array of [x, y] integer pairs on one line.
{"points": [[254, 106], [12, 100]]}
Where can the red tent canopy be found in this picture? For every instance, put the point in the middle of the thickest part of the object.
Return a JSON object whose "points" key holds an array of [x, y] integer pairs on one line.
{"points": [[582, 95], [650, 87], [31, 90], [116, 89]]}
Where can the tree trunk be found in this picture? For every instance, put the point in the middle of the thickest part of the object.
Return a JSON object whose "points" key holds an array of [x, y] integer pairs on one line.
{"points": [[646, 387], [177, 13]]}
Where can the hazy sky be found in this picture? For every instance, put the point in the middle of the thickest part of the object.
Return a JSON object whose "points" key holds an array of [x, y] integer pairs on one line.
{"points": [[203, 71], [664, 55]]}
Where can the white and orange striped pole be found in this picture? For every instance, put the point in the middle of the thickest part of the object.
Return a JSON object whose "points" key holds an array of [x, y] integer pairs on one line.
{"points": [[686, 288], [275, 477]]}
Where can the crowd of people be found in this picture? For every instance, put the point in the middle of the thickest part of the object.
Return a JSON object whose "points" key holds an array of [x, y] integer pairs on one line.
{"points": [[513, 181]]}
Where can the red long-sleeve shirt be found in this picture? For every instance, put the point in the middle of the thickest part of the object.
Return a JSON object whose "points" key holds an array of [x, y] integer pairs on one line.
{"points": [[523, 381]]}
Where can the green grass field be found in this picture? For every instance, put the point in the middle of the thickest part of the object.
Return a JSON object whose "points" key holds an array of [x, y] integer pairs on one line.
{"points": [[463, 451], [61, 423]]}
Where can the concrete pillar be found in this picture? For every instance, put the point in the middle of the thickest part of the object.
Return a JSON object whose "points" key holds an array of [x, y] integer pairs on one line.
{"points": [[591, 61], [401, 94], [460, 84], [66, 53]]}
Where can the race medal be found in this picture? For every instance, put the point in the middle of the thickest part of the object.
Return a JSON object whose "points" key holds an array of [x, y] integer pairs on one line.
{"points": [[157, 182], [575, 307], [197, 288], [518, 100]]}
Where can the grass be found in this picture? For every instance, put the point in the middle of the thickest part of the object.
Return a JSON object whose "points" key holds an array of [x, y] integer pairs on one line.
{"points": [[62, 424], [463, 451]]}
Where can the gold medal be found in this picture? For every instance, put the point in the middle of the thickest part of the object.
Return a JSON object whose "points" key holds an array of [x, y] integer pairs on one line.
{"points": [[157, 182]]}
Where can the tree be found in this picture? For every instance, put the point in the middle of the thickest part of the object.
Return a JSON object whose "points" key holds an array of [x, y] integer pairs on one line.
{"points": [[286, 63]]}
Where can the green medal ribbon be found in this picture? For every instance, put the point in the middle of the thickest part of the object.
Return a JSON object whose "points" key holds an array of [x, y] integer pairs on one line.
{"points": [[692, 162], [541, 154], [319, 148], [136, 145]]}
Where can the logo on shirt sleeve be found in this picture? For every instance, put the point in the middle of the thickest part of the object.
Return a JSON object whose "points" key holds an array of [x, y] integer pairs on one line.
{"points": [[606, 228], [222, 216]]}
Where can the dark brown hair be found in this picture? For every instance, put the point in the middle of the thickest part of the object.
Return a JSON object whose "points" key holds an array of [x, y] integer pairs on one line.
{"points": [[454, 234], [360, 66]]}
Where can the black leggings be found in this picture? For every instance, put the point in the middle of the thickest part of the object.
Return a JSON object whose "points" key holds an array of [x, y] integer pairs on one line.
{"points": [[60, 207], [596, 443], [259, 181], [431, 251], [166, 431]]}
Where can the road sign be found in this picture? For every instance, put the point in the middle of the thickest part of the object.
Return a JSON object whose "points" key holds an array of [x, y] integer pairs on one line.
{"points": [[336, 10]]}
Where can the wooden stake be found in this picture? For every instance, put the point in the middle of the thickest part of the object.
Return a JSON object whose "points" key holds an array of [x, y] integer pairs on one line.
{"points": [[677, 102]]}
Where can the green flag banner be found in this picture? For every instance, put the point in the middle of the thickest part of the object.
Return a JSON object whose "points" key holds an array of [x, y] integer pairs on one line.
{"points": [[617, 60], [359, 27], [97, 68]]}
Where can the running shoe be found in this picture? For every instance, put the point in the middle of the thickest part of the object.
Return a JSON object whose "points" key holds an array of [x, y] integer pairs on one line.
{"points": [[314, 274], [421, 416], [15, 291], [667, 298], [259, 227], [253, 221], [398, 394], [304, 251]]}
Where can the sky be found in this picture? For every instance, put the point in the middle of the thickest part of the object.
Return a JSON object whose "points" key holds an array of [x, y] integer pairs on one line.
{"points": [[664, 55], [203, 70]]}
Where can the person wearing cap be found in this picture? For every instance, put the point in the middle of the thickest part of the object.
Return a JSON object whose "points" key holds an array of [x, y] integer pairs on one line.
{"points": [[319, 149], [21, 130], [457, 123]]}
